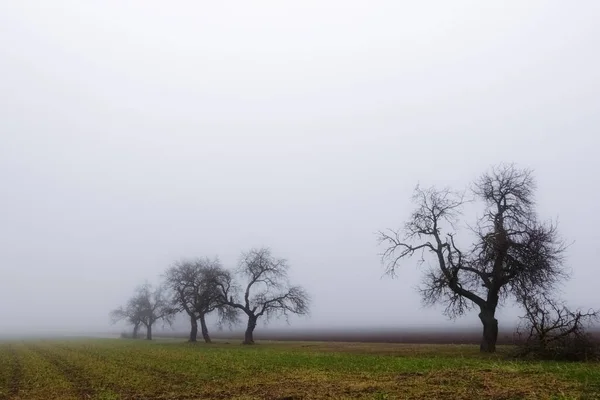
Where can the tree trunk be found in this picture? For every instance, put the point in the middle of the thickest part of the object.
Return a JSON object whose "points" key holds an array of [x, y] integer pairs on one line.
{"points": [[194, 330], [136, 328], [249, 335], [490, 331], [149, 332], [204, 329]]}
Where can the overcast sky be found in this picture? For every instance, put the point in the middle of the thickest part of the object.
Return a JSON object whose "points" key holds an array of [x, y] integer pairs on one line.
{"points": [[134, 133]]}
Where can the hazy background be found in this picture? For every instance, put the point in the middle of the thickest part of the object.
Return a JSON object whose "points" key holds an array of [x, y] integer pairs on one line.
{"points": [[134, 133]]}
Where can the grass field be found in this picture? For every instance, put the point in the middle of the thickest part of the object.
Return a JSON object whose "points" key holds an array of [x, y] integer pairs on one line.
{"points": [[124, 369]]}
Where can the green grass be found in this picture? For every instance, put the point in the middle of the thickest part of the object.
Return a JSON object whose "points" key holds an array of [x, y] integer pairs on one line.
{"points": [[125, 369]]}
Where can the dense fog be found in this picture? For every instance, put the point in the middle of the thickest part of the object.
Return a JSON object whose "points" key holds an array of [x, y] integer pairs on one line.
{"points": [[135, 134]]}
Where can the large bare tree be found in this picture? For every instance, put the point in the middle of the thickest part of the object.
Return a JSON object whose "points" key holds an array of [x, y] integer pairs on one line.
{"points": [[510, 252], [147, 306], [194, 291], [267, 293]]}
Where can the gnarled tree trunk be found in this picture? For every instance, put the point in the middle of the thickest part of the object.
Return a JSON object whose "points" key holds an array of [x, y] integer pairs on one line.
{"points": [[149, 332], [136, 328], [490, 331], [204, 329], [249, 335], [194, 330]]}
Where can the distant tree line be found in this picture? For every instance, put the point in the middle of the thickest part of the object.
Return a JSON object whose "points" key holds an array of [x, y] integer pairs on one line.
{"points": [[258, 288]]}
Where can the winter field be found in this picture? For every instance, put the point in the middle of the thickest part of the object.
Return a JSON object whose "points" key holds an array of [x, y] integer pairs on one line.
{"points": [[173, 369]]}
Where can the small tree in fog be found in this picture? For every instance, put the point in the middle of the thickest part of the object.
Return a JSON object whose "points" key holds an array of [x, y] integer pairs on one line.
{"points": [[267, 293], [147, 306], [511, 252], [194, 291], [130, 314]]}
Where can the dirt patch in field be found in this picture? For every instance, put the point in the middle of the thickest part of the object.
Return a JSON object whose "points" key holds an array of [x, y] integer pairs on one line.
{"points": [[449, 384], [482, 384]]}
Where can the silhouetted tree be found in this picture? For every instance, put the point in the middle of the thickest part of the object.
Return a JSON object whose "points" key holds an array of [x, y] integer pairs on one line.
{"points": [[130, 314], [512, 251], [147, 306], [193, 283], [267, 292]]}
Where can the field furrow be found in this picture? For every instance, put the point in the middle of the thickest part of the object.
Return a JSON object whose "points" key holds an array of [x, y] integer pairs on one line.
{"points": [[72, 373], [153, 368], [40, 379], [120, 378], [17, 372], [5, 371], [174, 364]]}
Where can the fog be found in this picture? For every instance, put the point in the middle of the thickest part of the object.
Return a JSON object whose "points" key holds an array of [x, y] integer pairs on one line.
{"points": [[137, 133]]}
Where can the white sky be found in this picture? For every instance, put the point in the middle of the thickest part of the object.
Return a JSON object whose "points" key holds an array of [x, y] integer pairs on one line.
{"points": [[134, 133]]}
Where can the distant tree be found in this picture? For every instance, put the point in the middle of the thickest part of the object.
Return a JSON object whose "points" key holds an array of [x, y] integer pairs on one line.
{"points": [[267, 292], [130, 314], [194, 291], [147, 306], [511, 251]]}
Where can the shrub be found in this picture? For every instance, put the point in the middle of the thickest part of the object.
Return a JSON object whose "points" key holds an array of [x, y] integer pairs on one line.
{"points": [[550, 330]]}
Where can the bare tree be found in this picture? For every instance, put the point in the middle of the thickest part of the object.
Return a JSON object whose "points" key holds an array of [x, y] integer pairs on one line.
{"points": [[550, 329], [511, 252], [193, 284], [147, 306], [130, 314], [267, 293]]}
